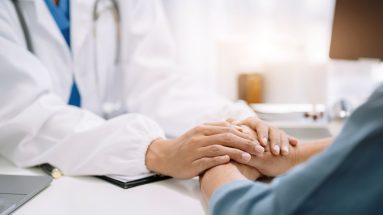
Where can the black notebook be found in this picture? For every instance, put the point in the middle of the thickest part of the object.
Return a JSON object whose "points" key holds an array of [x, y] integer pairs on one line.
{"points": [[129, 182]]}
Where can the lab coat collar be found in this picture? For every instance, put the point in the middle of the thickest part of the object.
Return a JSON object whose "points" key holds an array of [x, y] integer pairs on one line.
{"points": [[81, 22], [45, 20]]}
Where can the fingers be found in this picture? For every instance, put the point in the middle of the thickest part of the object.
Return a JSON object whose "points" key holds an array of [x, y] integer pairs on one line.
{"points": [[209, 130], [293, 141], [232, 121], [275, 139], [263, 133], [234, 141], [284, 144], [223, 123], [206, 163], [260, 127], [219, 150]]}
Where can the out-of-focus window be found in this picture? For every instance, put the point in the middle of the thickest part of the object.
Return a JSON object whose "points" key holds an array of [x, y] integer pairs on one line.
{"points": [[287, 41], [220, 38]]}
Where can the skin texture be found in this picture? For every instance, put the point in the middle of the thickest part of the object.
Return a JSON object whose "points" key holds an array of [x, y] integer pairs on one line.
{"points": [[201, 148], [266, 164], [223, 174], [210, 145], [269, 136], [269, 165]]}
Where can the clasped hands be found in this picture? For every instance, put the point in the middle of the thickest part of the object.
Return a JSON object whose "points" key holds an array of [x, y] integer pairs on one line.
{"points": [[250, 145]]}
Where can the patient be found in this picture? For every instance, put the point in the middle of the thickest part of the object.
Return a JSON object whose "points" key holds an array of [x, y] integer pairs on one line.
{"points": [[344, 179]]}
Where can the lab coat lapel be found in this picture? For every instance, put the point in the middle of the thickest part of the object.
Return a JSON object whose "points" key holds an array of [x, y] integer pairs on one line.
{"points": [[46, 22], [81, 23]]}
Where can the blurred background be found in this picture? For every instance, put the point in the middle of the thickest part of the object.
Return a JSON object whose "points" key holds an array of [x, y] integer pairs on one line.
{"points": [[282, 46]]}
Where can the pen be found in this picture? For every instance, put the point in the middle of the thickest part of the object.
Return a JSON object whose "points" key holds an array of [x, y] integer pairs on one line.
{"points": [[51, 170]]}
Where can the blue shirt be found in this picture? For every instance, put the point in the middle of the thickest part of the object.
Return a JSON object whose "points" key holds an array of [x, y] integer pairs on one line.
{"points": [[61, 15], [344, 179]]}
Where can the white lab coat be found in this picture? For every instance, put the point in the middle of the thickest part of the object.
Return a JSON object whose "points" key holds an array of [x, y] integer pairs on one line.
{"points": [[36, 124]]}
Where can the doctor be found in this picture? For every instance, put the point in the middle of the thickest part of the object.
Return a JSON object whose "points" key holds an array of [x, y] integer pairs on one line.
{"points": [[92, 88]]}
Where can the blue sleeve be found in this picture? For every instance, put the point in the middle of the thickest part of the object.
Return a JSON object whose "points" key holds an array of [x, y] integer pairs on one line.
{"points": [[241, 197], [328, 183]]}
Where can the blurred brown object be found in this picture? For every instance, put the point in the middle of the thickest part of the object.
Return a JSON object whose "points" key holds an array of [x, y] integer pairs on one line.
{"points": [[250, 87]]}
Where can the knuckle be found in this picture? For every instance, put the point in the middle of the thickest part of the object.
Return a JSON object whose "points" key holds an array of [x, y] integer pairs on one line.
{"points": [[215, 149], [199, 129], [231, 130], [195, 140], [226, 123], [225, 130], [227, 137], [194, 130]]}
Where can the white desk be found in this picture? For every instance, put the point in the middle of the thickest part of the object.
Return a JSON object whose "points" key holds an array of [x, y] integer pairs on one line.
{"points": [[88, 195]]}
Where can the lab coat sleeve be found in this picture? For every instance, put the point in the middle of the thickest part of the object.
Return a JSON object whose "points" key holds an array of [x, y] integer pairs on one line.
{"points": [[155, 85], [36, 126], [344, 179]]}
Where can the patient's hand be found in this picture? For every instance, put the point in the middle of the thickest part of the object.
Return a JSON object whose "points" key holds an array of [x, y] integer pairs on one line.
{"points": [[201, 148], [270, 165], [217, 176], [273, 139], [249, 172]]}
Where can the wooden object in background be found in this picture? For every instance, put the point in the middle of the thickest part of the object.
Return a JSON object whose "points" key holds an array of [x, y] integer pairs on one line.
{"points": [[250, 87]]}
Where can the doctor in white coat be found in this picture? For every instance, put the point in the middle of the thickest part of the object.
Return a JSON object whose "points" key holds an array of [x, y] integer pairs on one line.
{"points": [[128, 104]]}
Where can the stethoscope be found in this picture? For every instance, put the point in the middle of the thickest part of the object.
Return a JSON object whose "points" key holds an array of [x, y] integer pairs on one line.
{"points": [[110, 107]]}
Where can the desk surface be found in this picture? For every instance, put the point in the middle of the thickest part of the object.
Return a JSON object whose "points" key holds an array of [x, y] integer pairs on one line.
{"points": [[89, 195]]}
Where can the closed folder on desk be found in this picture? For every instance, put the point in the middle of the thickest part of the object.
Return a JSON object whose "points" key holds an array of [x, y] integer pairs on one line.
{"points": [[129, 182]]}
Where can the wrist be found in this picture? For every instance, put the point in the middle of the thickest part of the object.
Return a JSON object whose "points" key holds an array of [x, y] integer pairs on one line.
{"points": [[218, 176], [155, 155], [308, 149]]}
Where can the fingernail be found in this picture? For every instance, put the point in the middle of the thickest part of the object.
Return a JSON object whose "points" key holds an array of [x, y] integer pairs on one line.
{"points": [[264, 140], [285, 150], [259, 148], [276, 149], [246, 157]]}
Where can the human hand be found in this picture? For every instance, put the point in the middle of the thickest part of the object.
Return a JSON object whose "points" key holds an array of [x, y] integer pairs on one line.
{"points": [[248, 171], [270, 165], [273, 139], [200, 149], [217, 176]]}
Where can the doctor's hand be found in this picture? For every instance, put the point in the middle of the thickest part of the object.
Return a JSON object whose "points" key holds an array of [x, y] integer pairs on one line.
{"points": [[201, 148], [273, 139]]}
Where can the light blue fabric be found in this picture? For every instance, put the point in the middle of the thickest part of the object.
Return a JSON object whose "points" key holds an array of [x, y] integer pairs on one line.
{"points": [[345, 179], [61, 15]]}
